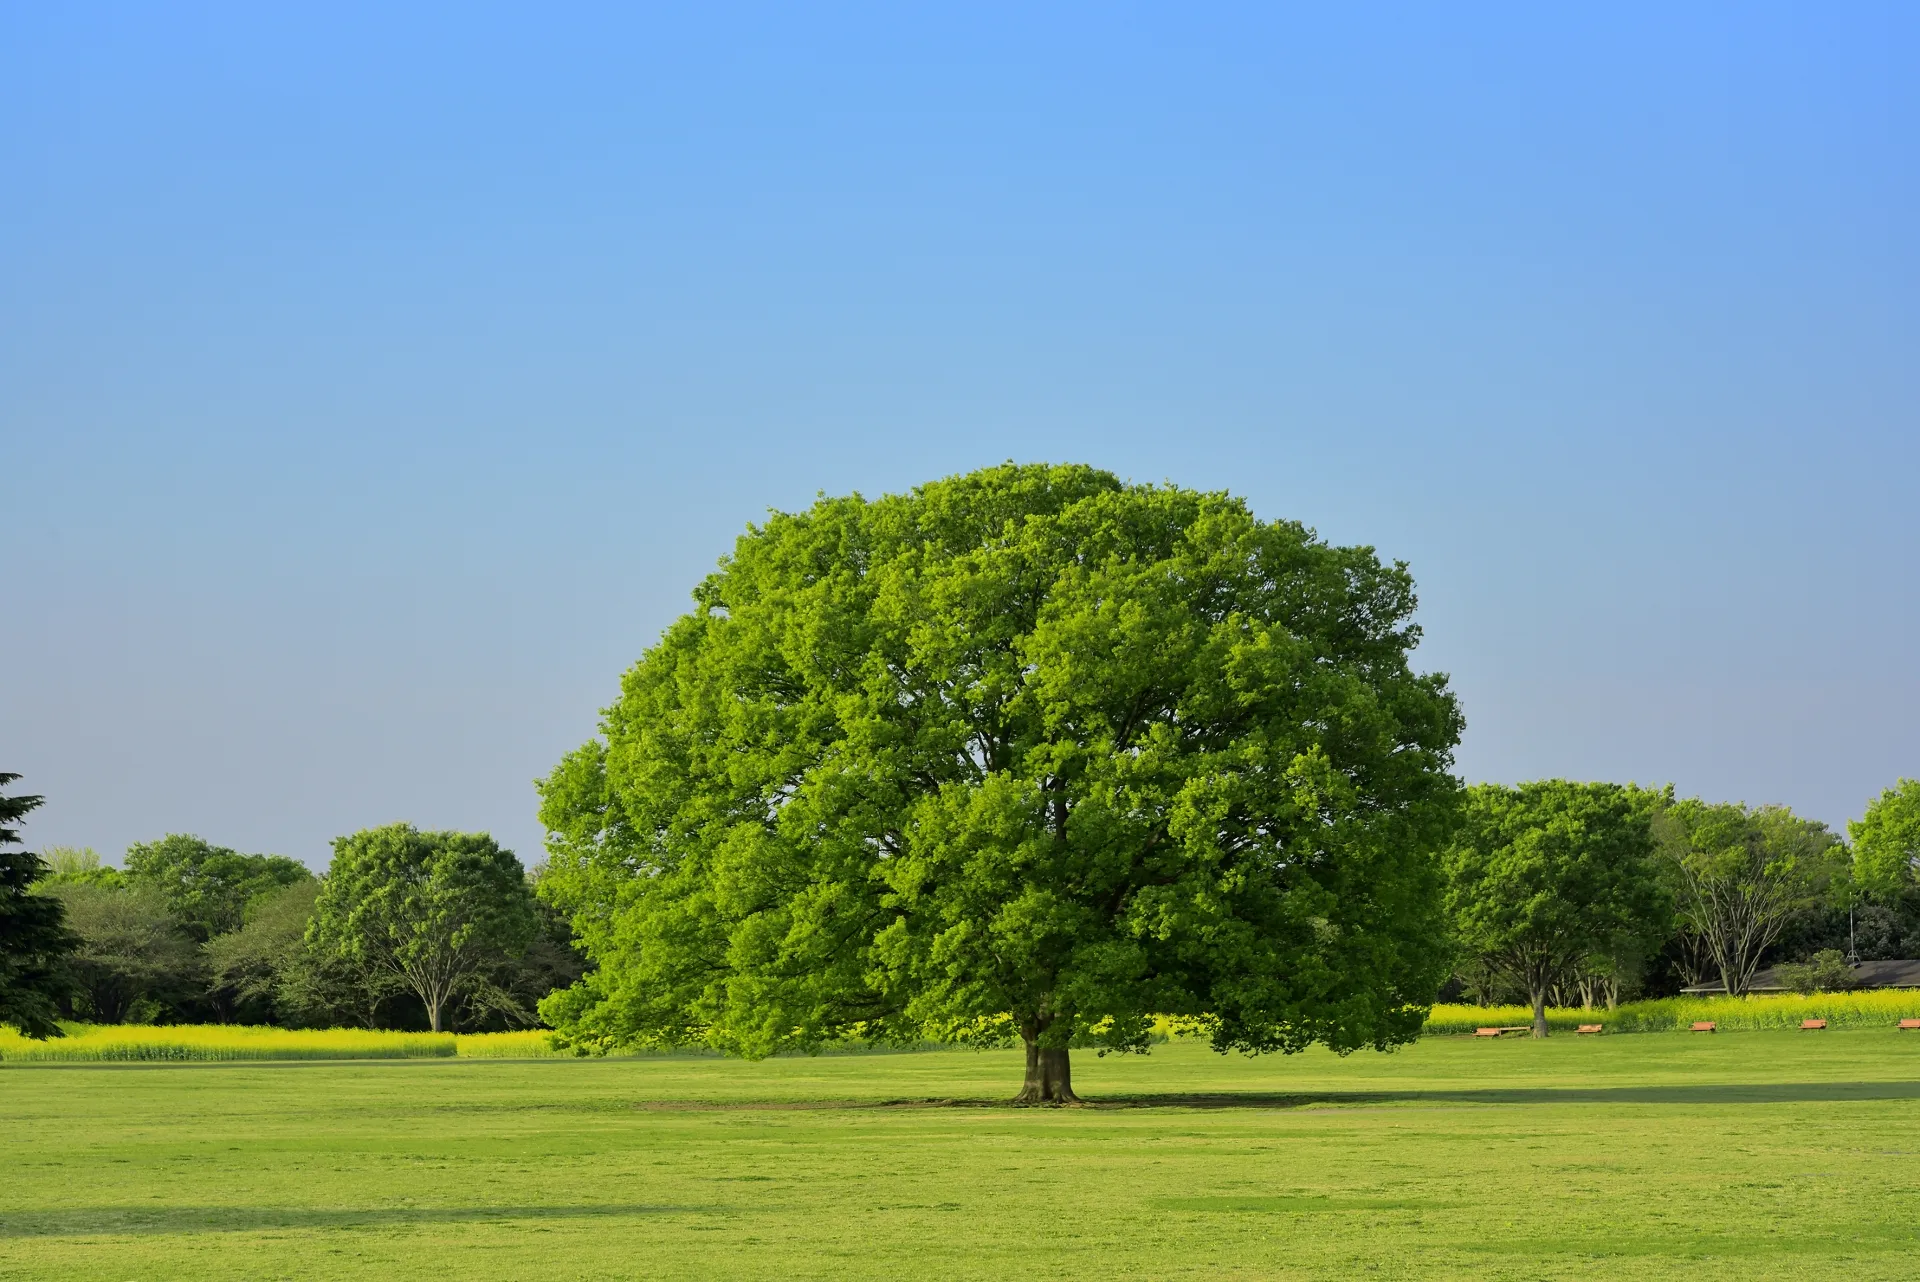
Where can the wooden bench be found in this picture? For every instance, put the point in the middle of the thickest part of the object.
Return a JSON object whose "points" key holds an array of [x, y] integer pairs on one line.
{"points": [[1587, 1028], [1704, 1026], [1812, 1025], [1910, 1023], [1507, 1028]]}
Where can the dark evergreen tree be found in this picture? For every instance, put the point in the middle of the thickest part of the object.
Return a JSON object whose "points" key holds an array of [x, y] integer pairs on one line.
{"points": [[33, 934]]}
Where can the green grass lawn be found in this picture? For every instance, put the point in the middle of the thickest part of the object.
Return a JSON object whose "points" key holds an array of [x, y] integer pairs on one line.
{"points": [[1749, 1155]]}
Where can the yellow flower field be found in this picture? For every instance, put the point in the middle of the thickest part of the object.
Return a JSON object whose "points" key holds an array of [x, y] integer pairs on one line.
{"points": [[177, 1042], [186, 1042], [1883, 1008]]}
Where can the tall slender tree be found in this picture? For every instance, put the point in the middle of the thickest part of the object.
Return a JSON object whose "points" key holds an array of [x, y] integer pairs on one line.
{"points": [[33, 934]]}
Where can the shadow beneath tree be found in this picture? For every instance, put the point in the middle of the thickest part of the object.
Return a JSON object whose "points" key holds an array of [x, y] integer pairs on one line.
{"points": [[83, 1221], [1728, 1093]]}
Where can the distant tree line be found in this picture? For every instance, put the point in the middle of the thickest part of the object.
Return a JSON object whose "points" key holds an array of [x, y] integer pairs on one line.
{"points": [[407, 929], [1567, 893], [1556, 893]]}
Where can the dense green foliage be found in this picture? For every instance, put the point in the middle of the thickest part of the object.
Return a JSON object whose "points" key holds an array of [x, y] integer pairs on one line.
{"points": [[206, 887], [1552, 877], [1733, 1159], [443, 913], [1026, 752], [34, 941], [1886, 841], [267, 970]]}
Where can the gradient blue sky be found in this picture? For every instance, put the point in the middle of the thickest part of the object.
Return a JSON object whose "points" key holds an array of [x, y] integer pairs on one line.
{"points": [[374, 385]]}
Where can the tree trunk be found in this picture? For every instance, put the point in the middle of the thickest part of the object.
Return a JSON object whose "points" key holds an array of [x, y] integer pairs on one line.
{"points": [[1049, 1074], [1540, 1010]]}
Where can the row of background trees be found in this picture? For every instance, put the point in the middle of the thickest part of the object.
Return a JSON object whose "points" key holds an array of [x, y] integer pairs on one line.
{"points": [[407, 929], [1567, 893], [1559, 894]]}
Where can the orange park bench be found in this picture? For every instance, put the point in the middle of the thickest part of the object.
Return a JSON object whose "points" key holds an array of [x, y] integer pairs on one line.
{"points": [[1704, 1026], [1587, 1028], [1505, 1028], [1812, 1025], [1910, 1023]]}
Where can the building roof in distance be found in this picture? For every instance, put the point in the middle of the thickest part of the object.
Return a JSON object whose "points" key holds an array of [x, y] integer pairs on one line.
{"points": [[1897, 973]]}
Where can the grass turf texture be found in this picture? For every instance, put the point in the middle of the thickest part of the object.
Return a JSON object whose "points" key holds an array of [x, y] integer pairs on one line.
{"points": [[1747, 1155]]}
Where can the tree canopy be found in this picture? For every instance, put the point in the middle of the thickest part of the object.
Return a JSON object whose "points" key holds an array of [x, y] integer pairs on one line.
{"points": [[1886, 841], [208, 887], [1552, 876], [33, 936], [440, 912], [1025, 753]]}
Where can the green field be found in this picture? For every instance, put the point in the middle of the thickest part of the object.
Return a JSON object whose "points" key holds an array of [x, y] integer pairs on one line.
{"points": [[1747, 1155]]}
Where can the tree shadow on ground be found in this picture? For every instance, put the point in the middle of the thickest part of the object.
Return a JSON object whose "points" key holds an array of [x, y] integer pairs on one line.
{"points": [[87, 1221], [1718, 1093]]}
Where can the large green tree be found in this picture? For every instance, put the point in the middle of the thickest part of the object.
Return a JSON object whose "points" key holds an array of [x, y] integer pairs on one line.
{"points": [[1886, 842], [208, 887], [33, 935], [1029, 753], [1546, 878], [443, 913], [1740, 875]]}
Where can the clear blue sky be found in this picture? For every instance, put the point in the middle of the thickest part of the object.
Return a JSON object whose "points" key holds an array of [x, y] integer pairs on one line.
{"points": [[375, 382]]}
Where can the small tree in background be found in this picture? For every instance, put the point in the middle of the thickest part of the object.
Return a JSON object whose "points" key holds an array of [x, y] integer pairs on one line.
{"points": [[1740, 875], [443, 913], [208, 887], [1826, 971], [33, 936], [72, 865], [262, 967], [132, 958], [268, 968], [1545, 877]]}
